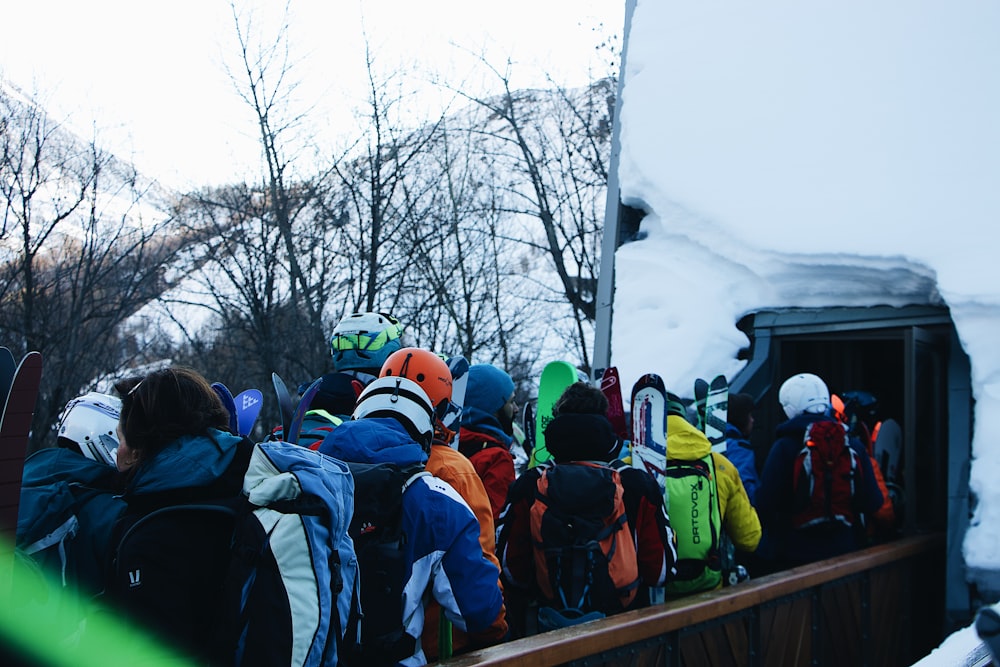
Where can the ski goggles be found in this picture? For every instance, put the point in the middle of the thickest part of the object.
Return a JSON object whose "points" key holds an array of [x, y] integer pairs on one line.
{"points": [[368, 341]]}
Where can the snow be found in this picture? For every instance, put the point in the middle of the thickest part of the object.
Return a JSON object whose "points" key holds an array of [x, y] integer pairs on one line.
{"points": [[812, 154]]}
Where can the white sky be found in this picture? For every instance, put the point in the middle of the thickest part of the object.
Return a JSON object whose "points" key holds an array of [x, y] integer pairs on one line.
{"points": [[152, 77], [813, 154]]}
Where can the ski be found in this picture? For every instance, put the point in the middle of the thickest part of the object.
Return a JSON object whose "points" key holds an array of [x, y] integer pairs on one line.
{"points": [[15, 427], [612, 389], [226, 396], [299, 414], [285, 405], [556, 376], [248, 405], [528, 426], [459, 367], [649, 426], [700, 401], [716, 413], [8, 367]]}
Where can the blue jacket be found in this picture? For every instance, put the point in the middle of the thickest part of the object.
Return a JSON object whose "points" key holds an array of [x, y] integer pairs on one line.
{"points": [[70, 500], [781, 543], [740, 454], [444, 558]]}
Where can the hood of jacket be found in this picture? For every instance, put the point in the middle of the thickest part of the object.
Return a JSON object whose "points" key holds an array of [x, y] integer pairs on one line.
{"points": [[795, 428], [190, 461], [373, 440], [684, 441], [57, 464], [581, 437]]}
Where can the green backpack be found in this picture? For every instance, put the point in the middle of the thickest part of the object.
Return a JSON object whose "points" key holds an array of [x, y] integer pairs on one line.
{"points": [[692, 501]]}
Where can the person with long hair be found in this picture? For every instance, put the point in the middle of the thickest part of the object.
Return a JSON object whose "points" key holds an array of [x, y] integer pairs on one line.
{"points": [[174, 448]]}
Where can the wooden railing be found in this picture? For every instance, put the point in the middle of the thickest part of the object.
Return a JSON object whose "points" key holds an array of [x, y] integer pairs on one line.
{"points": [[879, 606]]}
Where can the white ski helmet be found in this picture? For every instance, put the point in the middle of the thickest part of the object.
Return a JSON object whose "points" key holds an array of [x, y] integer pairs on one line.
{"points": [[363, 341], [90, 422], [403, 400], [804, 392]]}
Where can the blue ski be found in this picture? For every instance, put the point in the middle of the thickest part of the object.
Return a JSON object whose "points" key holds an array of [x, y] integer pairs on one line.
{"points": [[229, 403], [248, 405]]}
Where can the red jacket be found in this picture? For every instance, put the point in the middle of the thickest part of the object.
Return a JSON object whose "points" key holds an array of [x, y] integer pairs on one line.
{"points": [[493, 463]]}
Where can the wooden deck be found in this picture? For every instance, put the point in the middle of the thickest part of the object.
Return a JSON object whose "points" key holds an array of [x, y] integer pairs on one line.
{"points": [[882, 606]]}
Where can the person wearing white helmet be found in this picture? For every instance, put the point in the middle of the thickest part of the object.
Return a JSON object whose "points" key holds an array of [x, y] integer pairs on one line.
{"points": [[71, 499], [805, 400], [394, 423], [89, 425]]}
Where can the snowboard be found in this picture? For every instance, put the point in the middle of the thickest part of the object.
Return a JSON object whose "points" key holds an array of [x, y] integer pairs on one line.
{"points": [[649, 426], [459, 367], [248, 405], [15, 427], [612, 389], [717, 413], [556, 377]]}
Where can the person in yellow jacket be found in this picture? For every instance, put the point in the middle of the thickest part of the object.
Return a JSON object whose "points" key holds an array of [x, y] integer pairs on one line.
{"points": [[699, 565]]}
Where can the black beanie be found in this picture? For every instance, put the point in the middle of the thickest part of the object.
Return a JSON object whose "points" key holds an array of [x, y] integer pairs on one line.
{"points": [[581, 437], [337, 394]]}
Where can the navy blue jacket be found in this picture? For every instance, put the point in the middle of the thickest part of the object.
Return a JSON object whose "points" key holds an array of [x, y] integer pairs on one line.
{"points": [[775, 500]]}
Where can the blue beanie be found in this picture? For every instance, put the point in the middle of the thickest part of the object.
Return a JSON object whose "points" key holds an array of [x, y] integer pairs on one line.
{"points": [[488, 388]]}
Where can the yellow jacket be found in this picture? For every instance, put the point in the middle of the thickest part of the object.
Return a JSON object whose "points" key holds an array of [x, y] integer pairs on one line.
{"points": [[739, 519]]}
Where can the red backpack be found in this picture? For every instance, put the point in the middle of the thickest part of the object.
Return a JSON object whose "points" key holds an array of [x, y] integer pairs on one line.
{"points": [[585, 558], [825, 475]]}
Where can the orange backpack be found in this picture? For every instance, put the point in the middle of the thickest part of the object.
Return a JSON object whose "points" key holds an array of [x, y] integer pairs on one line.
{"points": [[585, 558]]}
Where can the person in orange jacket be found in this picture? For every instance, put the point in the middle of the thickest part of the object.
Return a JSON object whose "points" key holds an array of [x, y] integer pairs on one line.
{"points": [[884, 519]]}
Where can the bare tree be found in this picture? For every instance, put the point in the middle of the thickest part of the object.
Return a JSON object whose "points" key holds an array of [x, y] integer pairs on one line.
{"points": [[78, 257], [558, 150]]}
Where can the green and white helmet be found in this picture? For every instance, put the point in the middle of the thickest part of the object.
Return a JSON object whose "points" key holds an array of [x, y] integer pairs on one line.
{"points": [[363, 341]]}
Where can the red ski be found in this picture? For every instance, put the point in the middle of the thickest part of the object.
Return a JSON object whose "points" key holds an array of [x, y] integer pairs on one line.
{"points": [[612, 388]]}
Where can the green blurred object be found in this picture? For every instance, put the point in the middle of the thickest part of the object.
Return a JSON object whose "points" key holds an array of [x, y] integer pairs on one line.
{"points": [[445, 648], [43, 630]]}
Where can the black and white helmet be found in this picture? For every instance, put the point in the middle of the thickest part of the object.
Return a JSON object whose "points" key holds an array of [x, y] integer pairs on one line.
{"points": [[403, 400], [90, 422]]}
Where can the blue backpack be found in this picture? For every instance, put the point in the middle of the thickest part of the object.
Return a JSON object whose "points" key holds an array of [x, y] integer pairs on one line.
{"points": [[293, 574]]}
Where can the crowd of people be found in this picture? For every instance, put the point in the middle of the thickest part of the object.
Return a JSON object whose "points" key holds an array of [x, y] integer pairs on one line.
{"points": [[485, 553]]}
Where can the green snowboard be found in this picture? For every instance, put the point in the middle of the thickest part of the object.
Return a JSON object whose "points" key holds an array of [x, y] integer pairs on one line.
{"points": [[556, 376]]}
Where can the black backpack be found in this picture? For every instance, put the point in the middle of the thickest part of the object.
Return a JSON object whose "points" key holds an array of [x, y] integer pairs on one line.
{"points": [[379, 542], [586, 564], [288, 544]]}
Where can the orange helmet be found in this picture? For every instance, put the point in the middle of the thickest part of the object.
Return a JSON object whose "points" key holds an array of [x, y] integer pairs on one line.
{"points": [[426, 369]]}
